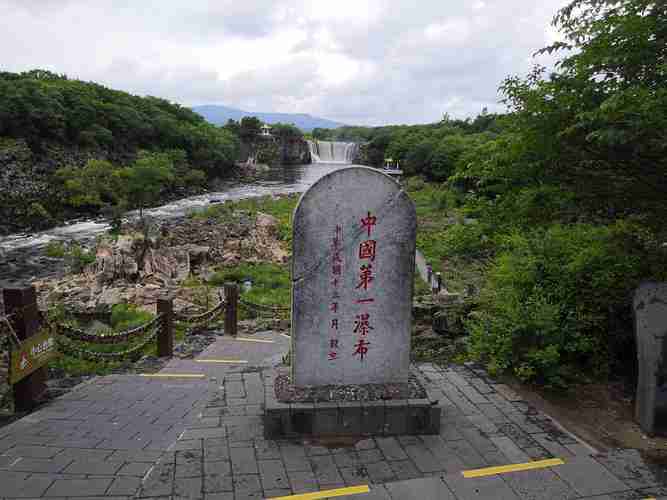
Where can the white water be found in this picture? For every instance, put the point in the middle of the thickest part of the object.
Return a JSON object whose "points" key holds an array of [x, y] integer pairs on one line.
{"points": [[279, 180], [332, 152]]}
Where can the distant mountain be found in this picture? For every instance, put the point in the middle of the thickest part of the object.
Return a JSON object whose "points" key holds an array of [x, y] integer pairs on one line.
{"points": [[219, 115]]}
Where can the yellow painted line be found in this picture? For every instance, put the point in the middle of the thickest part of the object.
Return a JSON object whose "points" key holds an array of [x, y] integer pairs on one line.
{"points": [[315, 495], [230, 361], [490, 471], [174, 375], [246, 339]]}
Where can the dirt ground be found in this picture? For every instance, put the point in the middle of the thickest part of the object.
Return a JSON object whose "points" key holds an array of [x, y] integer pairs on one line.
{"points": [[600, 414]]}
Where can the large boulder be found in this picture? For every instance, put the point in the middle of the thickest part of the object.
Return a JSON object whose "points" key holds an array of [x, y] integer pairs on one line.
{"points": [[266, 224]]}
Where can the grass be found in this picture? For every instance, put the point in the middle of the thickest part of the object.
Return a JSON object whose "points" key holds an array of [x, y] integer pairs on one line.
{"points": [[123, 317], [438, 208], [55, 249], [281, 208], [271, 284]]}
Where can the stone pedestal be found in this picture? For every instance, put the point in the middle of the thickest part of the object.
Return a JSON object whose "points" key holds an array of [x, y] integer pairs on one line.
{"points": [[350, 418]]}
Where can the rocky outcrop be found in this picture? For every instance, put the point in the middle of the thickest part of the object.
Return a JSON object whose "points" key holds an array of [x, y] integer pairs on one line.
{"points": [[276, 151], [295, 151], [132, 257], [361, 157], [30, 197], [138, 269]]}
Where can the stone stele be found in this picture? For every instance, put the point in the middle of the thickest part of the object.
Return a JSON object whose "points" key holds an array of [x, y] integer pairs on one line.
{"points": [[650, 311], [352, 270]]}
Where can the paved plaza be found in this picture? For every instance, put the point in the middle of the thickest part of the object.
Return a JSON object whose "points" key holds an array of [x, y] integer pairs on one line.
{"points": [[201, 437]]}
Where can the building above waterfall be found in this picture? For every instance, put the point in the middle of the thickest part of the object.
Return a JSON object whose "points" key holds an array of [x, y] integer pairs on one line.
{"points": [[266, 130]]}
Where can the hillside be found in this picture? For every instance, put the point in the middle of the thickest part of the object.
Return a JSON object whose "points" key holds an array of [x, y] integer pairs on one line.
{"points": [[48, 122], [218, 115]]}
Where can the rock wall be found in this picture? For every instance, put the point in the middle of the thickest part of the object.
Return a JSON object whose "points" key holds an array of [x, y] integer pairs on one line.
{"points": [[361, 157], [268, 151], [295, 152], [29, 195], [274, 151]]}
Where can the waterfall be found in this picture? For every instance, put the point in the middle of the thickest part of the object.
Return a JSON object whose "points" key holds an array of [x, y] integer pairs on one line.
{"points": [[332, 152]]}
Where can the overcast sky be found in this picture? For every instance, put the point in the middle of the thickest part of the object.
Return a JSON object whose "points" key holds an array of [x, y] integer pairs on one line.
{"points": [[355, 61]]}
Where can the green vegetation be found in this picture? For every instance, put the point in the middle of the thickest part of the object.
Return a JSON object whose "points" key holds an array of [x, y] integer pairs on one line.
{"points": [[554, 211], [75, 255], [281, 208], [41, 107], [123, 317], [85, 141], [271, 283]]}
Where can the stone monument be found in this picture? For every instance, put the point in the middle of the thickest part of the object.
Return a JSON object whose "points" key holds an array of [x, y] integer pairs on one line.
{"points": [[352, 272], [353, 269], [650, 311]]}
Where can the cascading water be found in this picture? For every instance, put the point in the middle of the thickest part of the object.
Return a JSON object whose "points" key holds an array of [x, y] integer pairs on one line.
{"points": [[332, 152]]}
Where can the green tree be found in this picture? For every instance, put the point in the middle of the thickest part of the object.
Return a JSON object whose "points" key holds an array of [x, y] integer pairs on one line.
{"points": [[94, 185], [249, 128], [143, 181], [597, 124]]}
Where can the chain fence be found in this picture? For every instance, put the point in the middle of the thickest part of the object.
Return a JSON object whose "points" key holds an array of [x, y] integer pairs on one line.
{"points": [[105, 337], [68, 347], [262, 308], [75, 341], [198, 321]]}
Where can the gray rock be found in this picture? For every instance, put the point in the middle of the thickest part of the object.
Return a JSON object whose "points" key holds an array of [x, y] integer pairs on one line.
{"points": [[371, 340], [650, 309]]}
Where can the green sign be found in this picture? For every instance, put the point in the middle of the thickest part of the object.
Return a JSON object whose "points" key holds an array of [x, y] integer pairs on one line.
{"points": [[33, 353]]}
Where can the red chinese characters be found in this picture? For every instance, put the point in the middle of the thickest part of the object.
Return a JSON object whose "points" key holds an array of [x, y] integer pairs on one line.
{"points": [[361, 348], [361, 325], [367, 253], [336, 272]]}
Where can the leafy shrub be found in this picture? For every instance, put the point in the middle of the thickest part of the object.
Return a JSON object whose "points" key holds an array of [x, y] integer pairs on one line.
{"points": [[467, 240], [38, 214], [271, 283], [125, 316], [79, 257], [194, 178], [545, 311], [55, 249], [415, 183]]}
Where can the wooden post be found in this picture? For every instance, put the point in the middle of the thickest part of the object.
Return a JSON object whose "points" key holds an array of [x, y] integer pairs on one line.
{"points": [[231, 308], [165, 337], [21, 305]]}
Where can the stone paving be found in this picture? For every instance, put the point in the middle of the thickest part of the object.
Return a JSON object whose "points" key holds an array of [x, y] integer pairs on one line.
{"points": [[129, 436]]}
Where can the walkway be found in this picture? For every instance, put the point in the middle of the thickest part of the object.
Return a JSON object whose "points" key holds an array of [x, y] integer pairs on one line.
{"points": [[201, 437]]}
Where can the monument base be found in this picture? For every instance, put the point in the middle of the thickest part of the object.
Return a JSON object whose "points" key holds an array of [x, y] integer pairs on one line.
{"points": [[383, 417]]}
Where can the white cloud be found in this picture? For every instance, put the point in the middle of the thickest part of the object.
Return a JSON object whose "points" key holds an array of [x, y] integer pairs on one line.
{"points": [[367, 62]]}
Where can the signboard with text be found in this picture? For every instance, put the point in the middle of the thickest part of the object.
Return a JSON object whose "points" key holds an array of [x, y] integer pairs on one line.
{"points": [[33, 353]]}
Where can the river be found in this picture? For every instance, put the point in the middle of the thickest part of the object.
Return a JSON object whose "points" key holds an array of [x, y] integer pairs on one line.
{"points": [[23, 259]]}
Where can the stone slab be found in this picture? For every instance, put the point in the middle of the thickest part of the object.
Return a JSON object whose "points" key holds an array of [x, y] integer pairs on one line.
{"points": [[650, 311], [352, 324]]}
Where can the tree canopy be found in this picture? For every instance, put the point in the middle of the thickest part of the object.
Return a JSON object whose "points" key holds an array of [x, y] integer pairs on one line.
{"points": [[41, 107]]}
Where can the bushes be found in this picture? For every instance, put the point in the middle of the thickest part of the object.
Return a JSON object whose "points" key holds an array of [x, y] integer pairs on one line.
{"points": [[126, 316], [76, 256], [545, 312]]}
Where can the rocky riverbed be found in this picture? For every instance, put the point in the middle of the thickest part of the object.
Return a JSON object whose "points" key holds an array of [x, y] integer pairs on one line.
{"points": [[145, 262]]}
